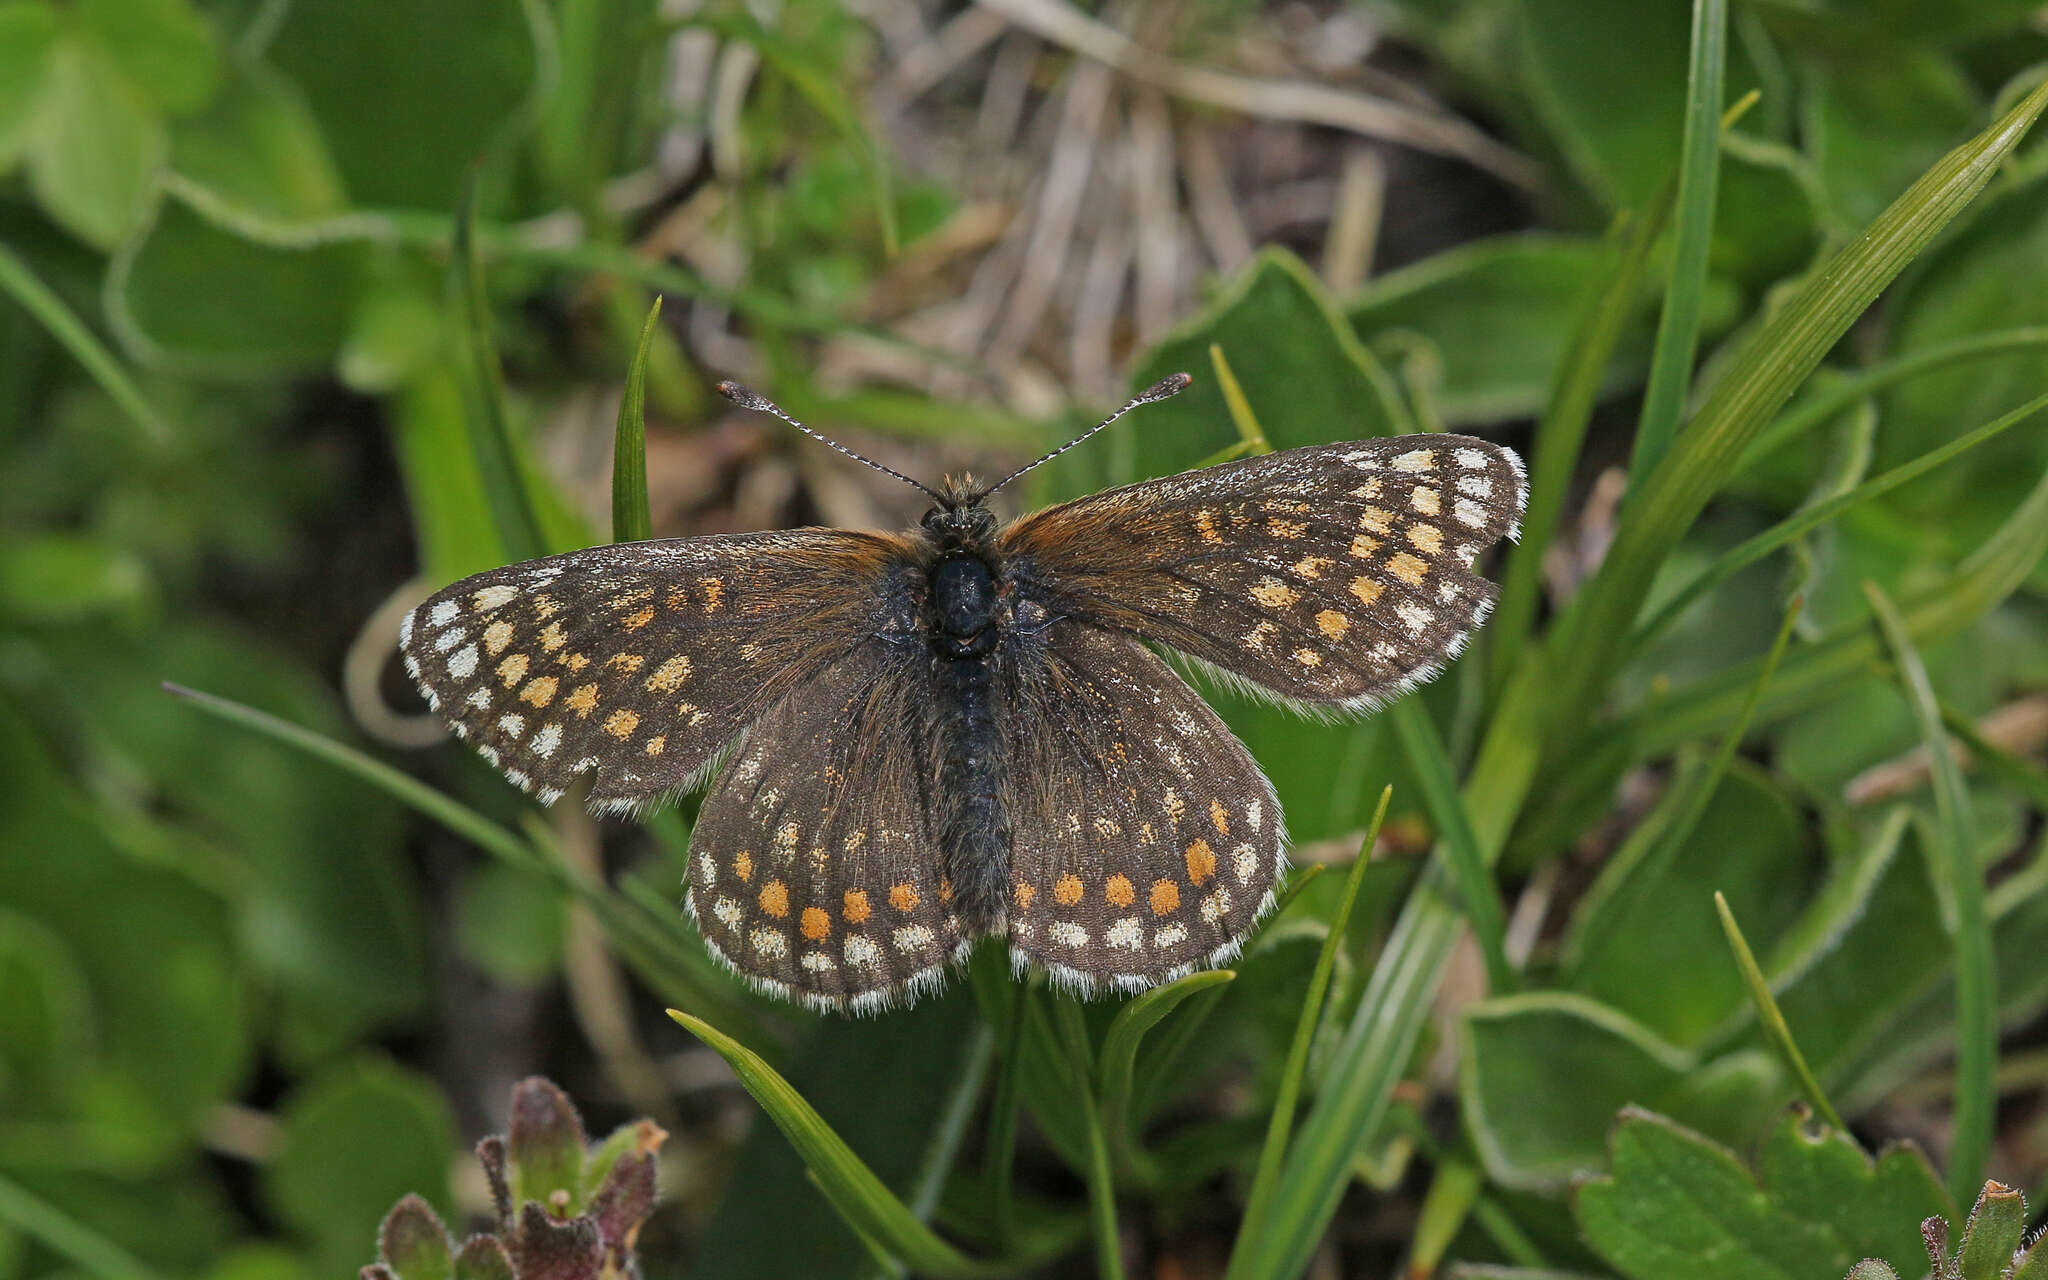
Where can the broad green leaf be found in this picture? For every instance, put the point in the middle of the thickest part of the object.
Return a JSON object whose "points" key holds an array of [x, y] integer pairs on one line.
{"points": [[1541, 1076], [1677, 1204], [354, 1139], [1996, 1232], [58, 577], [511, 923], [258, 149], [165, 48], [1876, 116], [1641, 949], [27, 33], [1498, 313], [95, 144], [1119, 1056]]}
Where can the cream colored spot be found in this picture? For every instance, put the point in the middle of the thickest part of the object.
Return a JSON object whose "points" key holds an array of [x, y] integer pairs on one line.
{"points": [[1376, 520], [854, 840], [1174, 805], [1068, 934], [1475, 486], [621, 723], [1119, 891], [539, 692], [1125, 934], [444, 613], [786, 837], [769, 942], [1244, 863], [1468, 513], [547, 740], [1273, 593], [656, 743], [1472, 458], [1427, 537], [1417, 617], [727, 911], [479, 698], [1362, 547], [1219, 817], [818, 962], [775, 898], [1408, 569], [1216, 906], [552, 637], [1288, 529], [1205, 525], [669, 676], [1256, 638], [1255, 813], [496, 637], [583, 701], [1415, 460], [1311, 567], [1332, 624], [513, 669], [545, 607], [1428, 501], [1308, 657], [861, 950], [512, 726], [463, 664], [1165, 897], [1201, 861], [913, 938], [1171, 936], [1366, 590], [494, 597]]}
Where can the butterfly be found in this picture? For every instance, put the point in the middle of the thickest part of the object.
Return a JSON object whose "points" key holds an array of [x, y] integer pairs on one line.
{"points": [[920, 739]]}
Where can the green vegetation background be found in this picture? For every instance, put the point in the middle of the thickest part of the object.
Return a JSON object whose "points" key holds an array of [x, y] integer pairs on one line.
{"points": [[265, 266]]}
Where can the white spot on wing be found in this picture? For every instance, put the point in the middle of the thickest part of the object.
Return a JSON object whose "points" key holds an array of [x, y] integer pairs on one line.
{"points": [[444, 613]]}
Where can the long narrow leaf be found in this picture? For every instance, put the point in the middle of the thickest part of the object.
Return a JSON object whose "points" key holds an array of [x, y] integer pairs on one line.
{"points": [[1073, 1032], [1757, 381], [40, 301], [1116, 1063], [1753, 549], [631, 519], [67, 1237], [1773, 1017], [860, 1197], [1280, 1126], [1478, 891], [1699, 166], [1976, 975], [490, 423]]}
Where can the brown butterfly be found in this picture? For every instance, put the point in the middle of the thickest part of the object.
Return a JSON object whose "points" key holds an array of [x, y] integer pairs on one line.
{"points": [[960, 731]]}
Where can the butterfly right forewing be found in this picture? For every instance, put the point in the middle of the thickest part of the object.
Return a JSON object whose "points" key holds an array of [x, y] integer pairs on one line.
{"points": [[1337, 575]]}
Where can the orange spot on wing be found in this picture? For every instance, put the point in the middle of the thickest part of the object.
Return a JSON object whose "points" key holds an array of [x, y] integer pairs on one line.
{"points": [[775, 898], [743, 866], [856, 906], [1201, 860], [621, 723], [714, 592], [1165, 897], [817, 926], [904, 897], [640, 619], [1025, 893], [1067, 890], [656, 743], [1366, 590], [1408, 569], [583, 701], [1119, 891], [539, 692], [1219, 817], [1332, 624], [513, 669]]}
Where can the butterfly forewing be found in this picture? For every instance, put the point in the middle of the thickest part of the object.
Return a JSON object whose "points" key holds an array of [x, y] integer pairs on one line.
{"points": [[1148, 841], [634, 663], [813, 865], [1334, 575]]}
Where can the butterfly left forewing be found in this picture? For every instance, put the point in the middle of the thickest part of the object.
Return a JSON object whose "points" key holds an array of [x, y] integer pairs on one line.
{"points": [[1148, 843], [635, 663], [1338, 575]]}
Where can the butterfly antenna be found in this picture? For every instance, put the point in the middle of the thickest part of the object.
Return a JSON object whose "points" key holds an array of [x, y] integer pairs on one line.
{"points": [[1164, 389], [746, 399]]}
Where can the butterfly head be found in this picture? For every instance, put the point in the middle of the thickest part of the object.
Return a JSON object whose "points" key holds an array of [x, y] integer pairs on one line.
{"points": [[958, 518]]}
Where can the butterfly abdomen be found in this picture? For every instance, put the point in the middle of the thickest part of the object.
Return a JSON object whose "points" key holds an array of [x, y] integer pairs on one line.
{"points": [[974, 828]]}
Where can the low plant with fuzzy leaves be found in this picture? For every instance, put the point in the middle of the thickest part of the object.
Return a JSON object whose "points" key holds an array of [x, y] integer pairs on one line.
{"points": [[1994, 1247], [566, 1210]]}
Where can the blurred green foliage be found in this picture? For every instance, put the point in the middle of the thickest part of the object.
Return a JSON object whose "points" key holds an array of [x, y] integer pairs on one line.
{"points": [[241, 359]]}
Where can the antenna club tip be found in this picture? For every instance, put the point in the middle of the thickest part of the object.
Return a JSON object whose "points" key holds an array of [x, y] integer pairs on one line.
{"points": [[740, 396], [1171, 385]]}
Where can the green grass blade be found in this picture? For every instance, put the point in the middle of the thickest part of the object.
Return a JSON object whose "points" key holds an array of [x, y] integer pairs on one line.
{"points": [[41, 302], [1664, 843], [1753, 549], [1773, 1017], [67, 1237], [1280, 1127], [1117, 1062], [854, 1191], [1823, 406], [631, 519], [1478, 892], [2029, 779], [1001, 1147], [1586, 646], [1251, 437], [490, 421], [1678, 327], [1976, 976], [1073, 1032]]}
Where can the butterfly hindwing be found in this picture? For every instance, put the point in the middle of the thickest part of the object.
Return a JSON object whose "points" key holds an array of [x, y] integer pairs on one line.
{"points": [[814, 868], [1333, 575], [1148, 842], [636, 662]]}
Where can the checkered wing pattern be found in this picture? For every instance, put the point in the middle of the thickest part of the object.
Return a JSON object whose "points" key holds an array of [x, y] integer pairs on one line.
{"points": [[1148, 842], [635, 663], [1333, 576], [813, 866]]}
